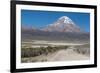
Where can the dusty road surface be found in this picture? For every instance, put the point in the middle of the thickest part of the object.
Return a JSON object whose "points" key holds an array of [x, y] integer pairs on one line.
{"points": [[61, 55], [65, 55]]}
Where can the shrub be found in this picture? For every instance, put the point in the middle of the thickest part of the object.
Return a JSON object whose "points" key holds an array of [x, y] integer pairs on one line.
{"points": [[32, 52]]}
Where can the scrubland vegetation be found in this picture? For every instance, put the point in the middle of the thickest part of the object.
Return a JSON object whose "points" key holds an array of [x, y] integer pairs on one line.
{"points": [[83, 49], [46, 51], [32, 52]]}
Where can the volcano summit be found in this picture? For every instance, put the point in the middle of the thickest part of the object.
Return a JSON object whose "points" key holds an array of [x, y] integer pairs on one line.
{"points": [[63, 24]]}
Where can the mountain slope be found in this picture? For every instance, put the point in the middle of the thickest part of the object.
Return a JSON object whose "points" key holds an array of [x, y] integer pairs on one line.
{"points": [[63, 24], [55, 36]]}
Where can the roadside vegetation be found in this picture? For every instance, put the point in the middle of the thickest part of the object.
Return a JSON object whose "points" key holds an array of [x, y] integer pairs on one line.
{"points": [[83, 49], [33, 52]]}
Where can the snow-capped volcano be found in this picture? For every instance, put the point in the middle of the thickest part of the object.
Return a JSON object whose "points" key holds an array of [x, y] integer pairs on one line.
{"points": [[63, 24], [66, 19]]}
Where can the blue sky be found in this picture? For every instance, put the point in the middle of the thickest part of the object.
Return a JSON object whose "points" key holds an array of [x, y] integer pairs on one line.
{"points": [[40, 19]]}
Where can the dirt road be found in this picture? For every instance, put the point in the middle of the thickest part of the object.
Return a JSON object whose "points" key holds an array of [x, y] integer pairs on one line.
{"points": [[61, 55], [68, 54]]}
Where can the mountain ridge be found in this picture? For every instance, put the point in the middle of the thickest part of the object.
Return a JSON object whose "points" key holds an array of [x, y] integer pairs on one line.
{"points": [[62, 24]]}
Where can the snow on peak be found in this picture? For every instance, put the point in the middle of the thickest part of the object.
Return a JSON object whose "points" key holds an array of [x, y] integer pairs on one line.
{"points": [[66, 19], [63, 24]]}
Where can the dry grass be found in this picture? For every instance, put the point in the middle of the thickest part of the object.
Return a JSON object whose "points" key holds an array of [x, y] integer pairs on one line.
{"points": [[83, 49], [32, 52]]}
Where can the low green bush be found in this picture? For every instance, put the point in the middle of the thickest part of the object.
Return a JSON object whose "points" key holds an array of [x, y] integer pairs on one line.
{"points": [[32, 52]]}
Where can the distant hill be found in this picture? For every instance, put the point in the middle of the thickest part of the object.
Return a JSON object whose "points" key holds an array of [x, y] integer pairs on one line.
{"points": [[55, 36]]}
